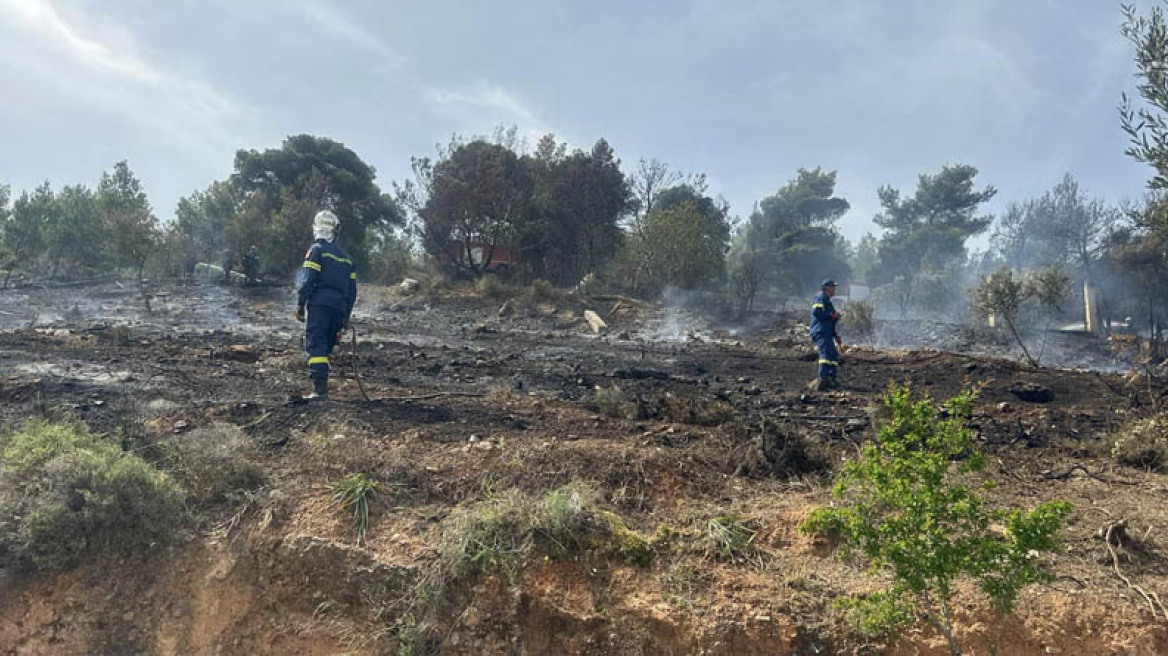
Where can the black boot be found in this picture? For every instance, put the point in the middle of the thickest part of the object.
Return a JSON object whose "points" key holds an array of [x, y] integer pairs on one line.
{"points": [[319, 390]]}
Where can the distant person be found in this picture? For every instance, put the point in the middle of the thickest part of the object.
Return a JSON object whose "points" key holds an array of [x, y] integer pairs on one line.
{"points": [[251, 264], [823, 330], [328, 288], [225, 260]]}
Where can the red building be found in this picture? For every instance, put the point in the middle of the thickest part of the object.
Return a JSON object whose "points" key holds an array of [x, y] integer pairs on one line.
{"points": [[501, 257]]}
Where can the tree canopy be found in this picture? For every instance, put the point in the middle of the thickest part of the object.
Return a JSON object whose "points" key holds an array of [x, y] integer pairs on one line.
{"points": [[277, 192], [928, 231], [793, 231]]}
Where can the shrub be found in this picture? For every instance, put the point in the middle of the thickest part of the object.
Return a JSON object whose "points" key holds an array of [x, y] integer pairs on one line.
{"points": [[66, 493], [697, 412], [503, 532], [858, 319], [490, 286], [212, 464], [904, 512], [610, 401], [781, 451], [1143, 444], [541, 290]]}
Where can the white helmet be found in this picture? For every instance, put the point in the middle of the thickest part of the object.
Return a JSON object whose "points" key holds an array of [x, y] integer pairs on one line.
{"points": [[324, 225]]}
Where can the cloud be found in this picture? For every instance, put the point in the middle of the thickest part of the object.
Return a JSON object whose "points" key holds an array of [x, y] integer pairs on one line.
{"points": [[487, 104], [106, 74], [329, 20]]}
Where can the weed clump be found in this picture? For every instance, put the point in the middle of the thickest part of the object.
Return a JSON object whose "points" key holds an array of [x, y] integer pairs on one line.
{"points": [[212, 464], [780, 451], [1143, 444], [697, 412], [730, 538], [610, 401], [66, 493], [353, 493], [906, 512], [503, 532], [859, 319], [490, 286], [541, 290]]}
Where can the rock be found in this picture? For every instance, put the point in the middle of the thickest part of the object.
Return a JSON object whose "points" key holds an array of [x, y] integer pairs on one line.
{"points": [[595, 322], [409, 285], [1032, 393]]}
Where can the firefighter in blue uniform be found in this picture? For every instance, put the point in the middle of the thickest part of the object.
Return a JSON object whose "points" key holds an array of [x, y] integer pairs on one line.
{"points": [[823, 331], [328, 288]]}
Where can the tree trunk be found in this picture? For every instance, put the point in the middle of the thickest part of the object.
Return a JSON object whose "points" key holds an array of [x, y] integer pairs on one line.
{"points": [[1018, 339]]}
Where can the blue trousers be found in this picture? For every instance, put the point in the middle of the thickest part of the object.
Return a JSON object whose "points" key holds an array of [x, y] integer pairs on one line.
{"points": [[828, 356], [320, 334]]}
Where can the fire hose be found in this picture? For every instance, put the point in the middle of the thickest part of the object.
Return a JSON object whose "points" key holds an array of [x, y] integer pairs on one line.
{"points": [[353, 361]]}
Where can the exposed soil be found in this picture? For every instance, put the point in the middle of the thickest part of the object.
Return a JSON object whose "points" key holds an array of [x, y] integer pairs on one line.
{"points": [[468, 402]]}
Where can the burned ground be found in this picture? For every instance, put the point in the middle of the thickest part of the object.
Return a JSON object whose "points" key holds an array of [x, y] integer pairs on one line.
{"points": [[469, 402]]}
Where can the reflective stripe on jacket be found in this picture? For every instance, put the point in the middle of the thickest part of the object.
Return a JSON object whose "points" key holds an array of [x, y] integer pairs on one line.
{"points": [[822, 323], [328, 278]]}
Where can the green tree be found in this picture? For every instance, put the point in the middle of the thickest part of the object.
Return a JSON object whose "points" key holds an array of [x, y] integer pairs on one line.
{"points": [[1006, 297], [795, 230], [864, 256], [746, 265], [473, 201], [1147, 124], [203, 218], [578, 201], [74, 234], [686, 245], [23, 231], [906, 508], [1139, 253], [128, 218], [1063, 228], [6, 259], [279, 190], [928, 231]]}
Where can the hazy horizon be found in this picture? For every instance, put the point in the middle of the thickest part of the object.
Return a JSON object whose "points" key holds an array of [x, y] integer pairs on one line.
{"points": [[746, 92]]}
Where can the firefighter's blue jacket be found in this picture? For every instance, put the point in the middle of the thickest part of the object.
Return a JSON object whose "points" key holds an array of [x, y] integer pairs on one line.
{"points": [[329, 279], [823, 318]]}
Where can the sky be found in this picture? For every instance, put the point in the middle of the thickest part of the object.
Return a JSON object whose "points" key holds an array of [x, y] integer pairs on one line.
{"points": [[745, 92]]}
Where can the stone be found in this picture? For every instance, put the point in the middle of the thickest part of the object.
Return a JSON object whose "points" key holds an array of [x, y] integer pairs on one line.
{"points": [[595, 322]]}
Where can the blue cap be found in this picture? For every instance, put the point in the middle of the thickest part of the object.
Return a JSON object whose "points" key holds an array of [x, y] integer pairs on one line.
{"points": [[828, 282]]}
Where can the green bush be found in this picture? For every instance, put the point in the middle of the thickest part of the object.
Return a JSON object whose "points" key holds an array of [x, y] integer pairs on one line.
{"points": [[353, 493], [503, 532], [904, 511], [66, 493]]}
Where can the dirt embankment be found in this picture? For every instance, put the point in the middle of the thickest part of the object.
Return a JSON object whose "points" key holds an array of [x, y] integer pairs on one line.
{"points": [[476, 412]]}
